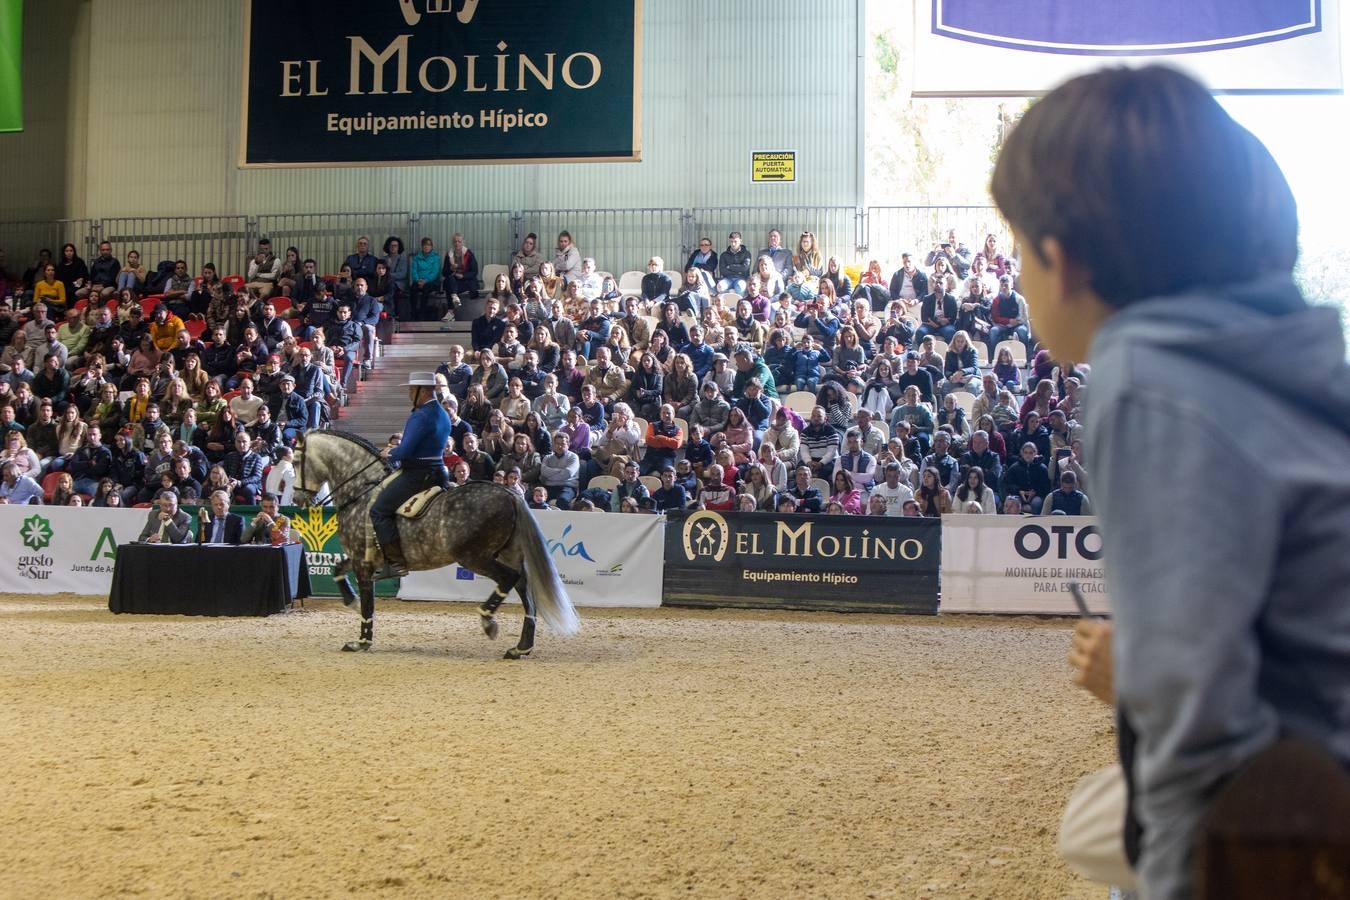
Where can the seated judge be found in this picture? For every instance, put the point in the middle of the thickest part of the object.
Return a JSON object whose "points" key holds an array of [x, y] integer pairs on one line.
{"points": [[268, 526], [167, 524], [218, 525]]}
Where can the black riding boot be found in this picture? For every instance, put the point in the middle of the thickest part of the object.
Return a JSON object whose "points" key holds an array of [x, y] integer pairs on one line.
{"points": [[395, 564]]}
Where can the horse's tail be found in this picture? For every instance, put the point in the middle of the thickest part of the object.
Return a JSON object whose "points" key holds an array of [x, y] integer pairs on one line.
{"points": [[545, 587]]}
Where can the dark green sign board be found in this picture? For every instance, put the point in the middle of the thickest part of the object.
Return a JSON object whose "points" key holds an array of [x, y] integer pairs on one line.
{"points": [[379, 82]]}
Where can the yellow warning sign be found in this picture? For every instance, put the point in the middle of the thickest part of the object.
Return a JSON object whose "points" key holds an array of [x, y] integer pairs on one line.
{"points": [[777, 166]]}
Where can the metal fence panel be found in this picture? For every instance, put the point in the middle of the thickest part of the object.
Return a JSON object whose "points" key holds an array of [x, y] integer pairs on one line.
{"points": [[835, 227], [329, 238], [489, 235], [892, 230], [21, 241], [620, 240], [222, 240]]}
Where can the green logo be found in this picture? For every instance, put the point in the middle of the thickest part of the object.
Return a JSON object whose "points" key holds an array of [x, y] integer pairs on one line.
{"points": [[36, 532], [106, 547]]}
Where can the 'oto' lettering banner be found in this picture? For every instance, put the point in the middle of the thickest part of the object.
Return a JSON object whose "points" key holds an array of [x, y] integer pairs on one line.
{"points": [[1004, 564], [844, 563], [379, 82]]}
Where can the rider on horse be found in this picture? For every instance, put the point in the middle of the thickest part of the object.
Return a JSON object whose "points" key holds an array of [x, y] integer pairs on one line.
{"points": [[420, 466]]}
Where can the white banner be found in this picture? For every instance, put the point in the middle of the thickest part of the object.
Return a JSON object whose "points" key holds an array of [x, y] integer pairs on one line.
{"points": [[605, 559], [1019, 48], [1002, 564], [60, 549]]}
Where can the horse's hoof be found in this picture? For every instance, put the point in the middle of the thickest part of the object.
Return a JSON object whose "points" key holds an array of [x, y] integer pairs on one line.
{"points": [[517, 653], [356, 647], [489, 624]]}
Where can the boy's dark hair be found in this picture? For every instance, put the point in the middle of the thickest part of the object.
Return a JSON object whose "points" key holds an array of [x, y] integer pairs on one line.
{"points": [[1146, 181]]}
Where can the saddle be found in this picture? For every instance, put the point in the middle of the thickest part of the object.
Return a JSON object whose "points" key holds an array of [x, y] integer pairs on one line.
{"points": [[418, 503]]}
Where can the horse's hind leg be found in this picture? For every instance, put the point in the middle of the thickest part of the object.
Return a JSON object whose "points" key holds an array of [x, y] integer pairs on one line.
{"points": [[504, 579], [526, 643], [367, 614]]}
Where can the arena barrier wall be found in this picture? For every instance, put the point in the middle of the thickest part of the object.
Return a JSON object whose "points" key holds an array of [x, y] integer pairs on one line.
{"points": [[775, 561], [59, 549], [989, 564], [1001, 564], [604, 560]]}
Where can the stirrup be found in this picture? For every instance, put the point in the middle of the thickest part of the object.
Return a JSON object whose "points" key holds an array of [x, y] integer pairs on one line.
{"points": [[389, 570]]}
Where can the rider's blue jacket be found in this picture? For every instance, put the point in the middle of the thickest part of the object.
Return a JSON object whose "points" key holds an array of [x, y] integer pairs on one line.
{"points": [[424, 437]]}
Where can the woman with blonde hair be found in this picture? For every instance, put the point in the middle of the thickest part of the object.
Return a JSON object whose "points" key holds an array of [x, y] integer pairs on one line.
{"points": [[545, 348], [551, 280], [174, 402], [70, 435], [64, 490], [770, 279], [17, 451], [194, 377], [874, 275], [837, 277], [807, 259], [680, 387], [962, 364]]}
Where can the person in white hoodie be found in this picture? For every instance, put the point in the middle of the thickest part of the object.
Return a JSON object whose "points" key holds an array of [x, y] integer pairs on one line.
{"points": [[1158, 243]]}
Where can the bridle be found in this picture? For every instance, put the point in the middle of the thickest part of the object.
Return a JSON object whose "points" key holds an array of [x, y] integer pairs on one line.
{"points": [[332, 491]]}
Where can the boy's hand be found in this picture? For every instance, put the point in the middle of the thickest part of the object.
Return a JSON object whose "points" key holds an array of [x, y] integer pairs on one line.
{"points": [[1090, 655]]}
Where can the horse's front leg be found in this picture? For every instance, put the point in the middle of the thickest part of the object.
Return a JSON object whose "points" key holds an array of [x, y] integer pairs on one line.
{"points": [[367, 588]]}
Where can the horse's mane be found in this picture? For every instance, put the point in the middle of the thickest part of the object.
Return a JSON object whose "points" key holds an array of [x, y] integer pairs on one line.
{"points": [[356, 439]]}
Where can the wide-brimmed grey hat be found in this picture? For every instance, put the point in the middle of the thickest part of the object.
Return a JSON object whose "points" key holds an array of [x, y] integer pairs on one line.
{"points": [[421, 379]]}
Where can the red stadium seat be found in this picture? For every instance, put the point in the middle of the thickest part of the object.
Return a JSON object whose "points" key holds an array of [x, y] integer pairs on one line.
{"points": [[195, 327], [227, 397], [81, 304], [236, 282], [281, 303], [148, 304], [142, 505], [49, 486]]}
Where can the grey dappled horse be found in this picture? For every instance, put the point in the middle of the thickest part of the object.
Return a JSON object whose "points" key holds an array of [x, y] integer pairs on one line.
{"points": [[484, 527]]}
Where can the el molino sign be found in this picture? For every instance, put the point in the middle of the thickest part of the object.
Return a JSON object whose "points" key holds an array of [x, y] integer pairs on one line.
{"points": [[380, 82]]}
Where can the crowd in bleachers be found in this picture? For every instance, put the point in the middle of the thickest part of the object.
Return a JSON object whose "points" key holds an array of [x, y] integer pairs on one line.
{"points": [[775, 380], [118, 383], [766, 381]]}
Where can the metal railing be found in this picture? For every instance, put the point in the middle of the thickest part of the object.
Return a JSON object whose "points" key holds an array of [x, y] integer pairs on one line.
{"points": [[21, 241], [619, 239], [490, 235], [328, 238], [835, 227], [889, 231], [222, 240]]}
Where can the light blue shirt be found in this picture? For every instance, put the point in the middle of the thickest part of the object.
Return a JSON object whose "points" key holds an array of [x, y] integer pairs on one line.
{"points": [[23, 491]]}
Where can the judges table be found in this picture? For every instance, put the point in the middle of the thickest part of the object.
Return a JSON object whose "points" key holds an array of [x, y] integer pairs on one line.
{"points": [[208, 580]]}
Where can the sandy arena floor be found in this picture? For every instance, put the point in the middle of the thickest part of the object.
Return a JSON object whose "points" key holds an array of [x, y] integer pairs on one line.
{"points": [[662, 753]]}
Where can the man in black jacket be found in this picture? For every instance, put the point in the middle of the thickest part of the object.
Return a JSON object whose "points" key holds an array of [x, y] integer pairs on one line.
{"points": [[1029, 479], [90, 463], [908, 283]]}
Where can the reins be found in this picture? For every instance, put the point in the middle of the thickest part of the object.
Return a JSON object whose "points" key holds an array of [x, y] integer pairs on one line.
{"points": [[332, 492]]}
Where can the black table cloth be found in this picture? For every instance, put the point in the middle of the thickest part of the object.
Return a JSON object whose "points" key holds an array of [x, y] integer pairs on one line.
{"points": [[208, 580]]}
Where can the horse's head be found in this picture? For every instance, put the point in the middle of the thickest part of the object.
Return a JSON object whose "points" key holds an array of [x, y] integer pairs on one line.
{"points": [[330, 465], [308, 479]]}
